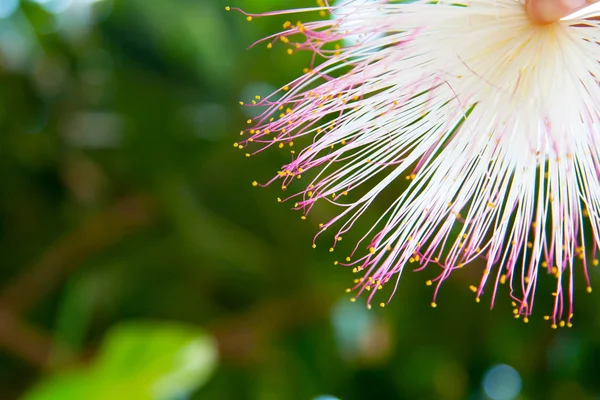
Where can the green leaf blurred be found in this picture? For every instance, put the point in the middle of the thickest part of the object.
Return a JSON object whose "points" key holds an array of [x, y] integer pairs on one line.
{"points": [[139, 360]]}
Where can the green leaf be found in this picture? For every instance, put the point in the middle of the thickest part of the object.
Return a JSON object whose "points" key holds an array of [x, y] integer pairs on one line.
{"points": [[141, 360]]}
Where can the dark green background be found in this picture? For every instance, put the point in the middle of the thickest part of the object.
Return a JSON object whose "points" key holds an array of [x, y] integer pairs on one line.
{"points": [[123, 199]]}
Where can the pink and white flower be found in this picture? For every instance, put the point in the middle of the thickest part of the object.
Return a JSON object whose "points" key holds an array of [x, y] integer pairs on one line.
{"points": [[492, 122]]}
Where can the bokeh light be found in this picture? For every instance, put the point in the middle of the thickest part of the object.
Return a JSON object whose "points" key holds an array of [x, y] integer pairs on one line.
{"points": [[502, 382], [7, 7]]}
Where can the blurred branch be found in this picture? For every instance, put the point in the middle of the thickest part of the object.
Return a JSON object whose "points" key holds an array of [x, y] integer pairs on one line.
{"points": [[18, 338], [97, 233], [241, 337]]}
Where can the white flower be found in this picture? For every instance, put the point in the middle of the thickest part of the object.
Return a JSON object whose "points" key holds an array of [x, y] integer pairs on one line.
{"points": [[492, 120]]}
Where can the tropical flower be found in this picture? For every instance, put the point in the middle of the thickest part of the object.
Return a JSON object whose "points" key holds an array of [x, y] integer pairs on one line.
{"points": [[491, 122]]}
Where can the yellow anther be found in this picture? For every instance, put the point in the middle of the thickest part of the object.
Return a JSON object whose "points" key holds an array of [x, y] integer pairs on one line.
{"points": [[428, 283], [589, 289], [553, 326], [335, 263], [314, 246], [227, 8], [352, 299], [525, 319], [248, 18], [368, 306], [290, 51], [372, 250], [433, 304], [502, 279], [546, 317], [561, 324], [477, 299], [473, 288], [381, 305], [347, 258], [595, 263], [331, 249]]}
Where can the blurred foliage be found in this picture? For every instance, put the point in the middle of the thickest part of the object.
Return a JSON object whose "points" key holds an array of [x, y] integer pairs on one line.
{"points": [[123, 200], [138, 361]]}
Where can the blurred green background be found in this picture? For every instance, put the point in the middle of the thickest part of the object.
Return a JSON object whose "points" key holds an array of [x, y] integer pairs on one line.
{"points": [[138, 262]]}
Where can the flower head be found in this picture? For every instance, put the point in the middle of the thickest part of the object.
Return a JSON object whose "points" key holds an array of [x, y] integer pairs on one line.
{"points": [[491, 121]]}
